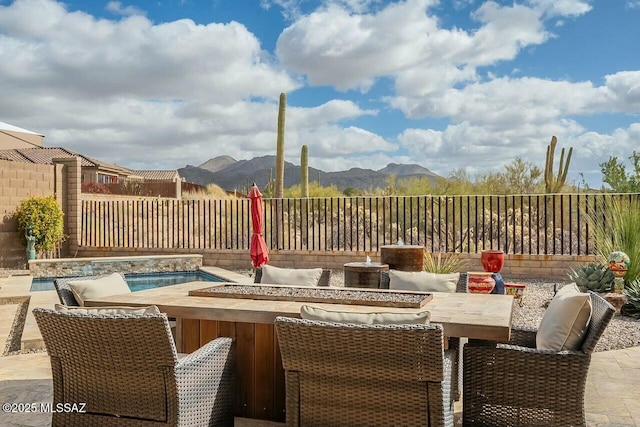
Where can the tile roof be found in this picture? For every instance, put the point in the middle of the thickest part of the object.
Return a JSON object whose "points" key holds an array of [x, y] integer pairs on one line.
{"points": [[45, 156], [158, 175]]}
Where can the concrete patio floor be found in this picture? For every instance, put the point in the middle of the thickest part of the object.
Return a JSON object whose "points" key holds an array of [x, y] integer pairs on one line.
{"points": [[611, 398]]}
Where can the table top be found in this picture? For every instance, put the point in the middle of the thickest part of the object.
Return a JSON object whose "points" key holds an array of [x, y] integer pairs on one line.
{"points": [[477, 316]]}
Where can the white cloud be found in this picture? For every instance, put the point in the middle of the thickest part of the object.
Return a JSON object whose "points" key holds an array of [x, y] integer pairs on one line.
{"points": [[554, 8], [334, 46], [117, 8]]}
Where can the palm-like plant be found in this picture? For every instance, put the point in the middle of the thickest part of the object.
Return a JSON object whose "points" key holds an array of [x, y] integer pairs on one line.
{"points": [[450, 263], [615, 226]]}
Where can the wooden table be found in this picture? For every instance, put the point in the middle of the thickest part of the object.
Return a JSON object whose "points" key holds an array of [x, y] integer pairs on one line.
{"points": [[260, 391], [363, 275]]}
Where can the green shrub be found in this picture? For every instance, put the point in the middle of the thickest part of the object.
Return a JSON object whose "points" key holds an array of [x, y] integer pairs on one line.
{"points": [[615, 226], [44, 216]]}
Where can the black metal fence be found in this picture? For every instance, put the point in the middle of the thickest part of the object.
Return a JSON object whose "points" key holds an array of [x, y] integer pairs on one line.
{"points": [[520, 224]]}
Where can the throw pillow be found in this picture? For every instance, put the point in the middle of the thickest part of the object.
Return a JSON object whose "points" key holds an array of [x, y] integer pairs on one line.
{"points": [[290, 276], [112, 284], [423, 281], [565, 321], [152, 309], [380, 318]]}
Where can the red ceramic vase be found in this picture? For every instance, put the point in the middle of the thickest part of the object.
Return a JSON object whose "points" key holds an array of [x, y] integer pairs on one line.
{"points": [[492, 260], [480, 282]]}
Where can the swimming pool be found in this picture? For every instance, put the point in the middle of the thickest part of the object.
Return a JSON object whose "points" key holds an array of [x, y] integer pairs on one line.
{"points": [[142, 281]]}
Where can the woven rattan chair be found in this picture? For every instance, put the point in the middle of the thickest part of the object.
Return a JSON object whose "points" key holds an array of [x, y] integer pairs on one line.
{"points": [[126, 369], [514, 384], [363, 375], [461, 286], [64, 291], [323, 281]]}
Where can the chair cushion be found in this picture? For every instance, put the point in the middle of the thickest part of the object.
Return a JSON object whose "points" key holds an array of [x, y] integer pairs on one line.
{"points": [[290, 276], [112, 284], [565, 321], [380, 318], [152, 309], [423, 281]]}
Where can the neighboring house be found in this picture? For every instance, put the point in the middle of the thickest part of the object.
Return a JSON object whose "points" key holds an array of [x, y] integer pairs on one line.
{"points": [[92, 170], [158, 175], [15, 137]]}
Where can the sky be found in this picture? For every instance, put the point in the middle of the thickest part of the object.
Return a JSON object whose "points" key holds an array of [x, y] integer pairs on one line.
{"points": [[448, 85]]}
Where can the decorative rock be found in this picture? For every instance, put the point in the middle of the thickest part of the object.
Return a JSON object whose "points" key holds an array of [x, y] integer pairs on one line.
{"points": [[616, 300]]}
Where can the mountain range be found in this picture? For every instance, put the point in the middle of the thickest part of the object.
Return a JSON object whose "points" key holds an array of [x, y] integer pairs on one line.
{"points": [[231, 174]]}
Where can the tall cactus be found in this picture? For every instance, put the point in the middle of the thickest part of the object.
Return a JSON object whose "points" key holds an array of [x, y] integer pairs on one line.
{"points": [[279, 190], [555, 184], [304, 171], [304, 190]]}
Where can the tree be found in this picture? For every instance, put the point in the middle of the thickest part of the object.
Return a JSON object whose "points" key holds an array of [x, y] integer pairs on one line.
{"points": [[614, 174], [522, 177]]}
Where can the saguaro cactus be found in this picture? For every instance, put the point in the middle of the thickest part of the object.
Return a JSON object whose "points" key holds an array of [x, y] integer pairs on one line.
{"points": [[553, 184], [304, 171], [279, 190]]}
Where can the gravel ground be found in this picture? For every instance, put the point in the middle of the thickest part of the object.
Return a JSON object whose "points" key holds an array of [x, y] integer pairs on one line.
{"points": [[622, 332]]}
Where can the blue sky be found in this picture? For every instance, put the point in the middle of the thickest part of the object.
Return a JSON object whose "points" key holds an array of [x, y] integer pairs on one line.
{"points": [[462, 84]]}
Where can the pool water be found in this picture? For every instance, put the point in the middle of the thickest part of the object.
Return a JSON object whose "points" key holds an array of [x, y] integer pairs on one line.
{"points": [[139, 282]]}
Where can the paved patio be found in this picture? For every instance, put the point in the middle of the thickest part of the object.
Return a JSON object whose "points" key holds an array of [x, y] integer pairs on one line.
{"points": [[611, 398]]}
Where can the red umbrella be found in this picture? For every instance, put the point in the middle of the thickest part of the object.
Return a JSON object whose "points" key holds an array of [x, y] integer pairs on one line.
{"points": [[258, 248]]}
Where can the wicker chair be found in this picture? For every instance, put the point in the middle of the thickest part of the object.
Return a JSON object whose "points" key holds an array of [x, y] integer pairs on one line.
{"points": [[64, 291], [126, 369], [515, 384], [323, 281], [461, 286], [363, 375]]}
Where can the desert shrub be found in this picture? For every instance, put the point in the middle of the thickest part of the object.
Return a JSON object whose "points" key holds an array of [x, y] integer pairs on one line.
{"points": [[45, 217]]}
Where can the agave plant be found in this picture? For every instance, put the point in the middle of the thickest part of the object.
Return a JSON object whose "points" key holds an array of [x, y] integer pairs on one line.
{"points": [[593, 277], [632, 307]]}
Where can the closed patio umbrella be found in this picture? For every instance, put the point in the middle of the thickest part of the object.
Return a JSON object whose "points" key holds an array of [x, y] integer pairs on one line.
{"points": [[258, 248]]}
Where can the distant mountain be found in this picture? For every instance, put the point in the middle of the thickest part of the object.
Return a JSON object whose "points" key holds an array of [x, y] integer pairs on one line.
{"points": [[218, 163], [403, 170], [241, 174]]}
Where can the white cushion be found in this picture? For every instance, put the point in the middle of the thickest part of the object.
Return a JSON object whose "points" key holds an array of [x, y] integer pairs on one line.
{"points": [[565, 321], [112, 284], [152, 309], [380, 318], [423, 281], [290, 276]]}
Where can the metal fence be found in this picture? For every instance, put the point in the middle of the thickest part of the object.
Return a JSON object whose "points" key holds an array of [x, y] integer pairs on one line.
{"points": [[520, 224]]}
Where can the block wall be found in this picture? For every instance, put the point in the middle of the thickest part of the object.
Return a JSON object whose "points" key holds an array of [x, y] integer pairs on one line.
{"points": [[549, 267], [19, 181]]}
